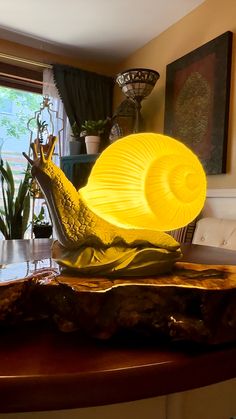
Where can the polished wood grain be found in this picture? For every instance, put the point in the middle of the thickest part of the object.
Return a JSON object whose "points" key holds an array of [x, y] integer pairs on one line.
{"points": [[207, 254], [13, 251], [43, 369]]}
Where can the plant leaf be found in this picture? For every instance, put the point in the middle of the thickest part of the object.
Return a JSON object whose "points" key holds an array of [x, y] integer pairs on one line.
{"points": [[10, 179], [14, 208], [3, 228], [26, 213]]}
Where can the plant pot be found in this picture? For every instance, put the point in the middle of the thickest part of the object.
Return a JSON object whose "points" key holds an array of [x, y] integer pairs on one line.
{"points": [[74, 148], [92, 144], [42, 231]]}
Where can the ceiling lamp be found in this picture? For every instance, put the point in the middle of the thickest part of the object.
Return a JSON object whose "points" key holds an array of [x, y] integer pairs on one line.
{"points": [[136, 84]]}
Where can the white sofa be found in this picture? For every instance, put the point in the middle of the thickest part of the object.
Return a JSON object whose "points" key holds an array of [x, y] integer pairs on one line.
{"points": [[218, 232]]}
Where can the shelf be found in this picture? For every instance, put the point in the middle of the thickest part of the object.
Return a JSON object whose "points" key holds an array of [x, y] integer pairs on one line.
{"points": [[77, 168]]}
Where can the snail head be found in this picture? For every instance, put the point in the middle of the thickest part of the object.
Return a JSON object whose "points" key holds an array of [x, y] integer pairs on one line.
{"points": [[42, 156]]}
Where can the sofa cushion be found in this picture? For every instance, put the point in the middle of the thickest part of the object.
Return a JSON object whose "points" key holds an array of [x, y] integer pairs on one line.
{"points": [[216, 232]]}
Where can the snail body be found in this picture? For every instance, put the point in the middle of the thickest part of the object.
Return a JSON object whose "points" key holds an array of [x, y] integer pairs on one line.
{"points": [[112, 226]]}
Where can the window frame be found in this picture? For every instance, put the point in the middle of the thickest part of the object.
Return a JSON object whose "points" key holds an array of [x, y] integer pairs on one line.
{"points": [[21, 78]]}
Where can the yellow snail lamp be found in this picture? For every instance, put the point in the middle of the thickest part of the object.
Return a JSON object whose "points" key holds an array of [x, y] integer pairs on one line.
{"points": [[140, 186]]}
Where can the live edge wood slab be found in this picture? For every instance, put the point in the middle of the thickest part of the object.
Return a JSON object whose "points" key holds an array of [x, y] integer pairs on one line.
{"points": [[42, 368]]}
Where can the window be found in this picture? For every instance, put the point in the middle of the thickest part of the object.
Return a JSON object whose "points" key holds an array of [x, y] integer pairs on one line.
{"points": [[20, 97], [14, 135], [6, 106]]}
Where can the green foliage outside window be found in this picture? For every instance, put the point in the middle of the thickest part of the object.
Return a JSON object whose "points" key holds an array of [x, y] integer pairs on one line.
{"points": [[14, 124], [16, 108]]}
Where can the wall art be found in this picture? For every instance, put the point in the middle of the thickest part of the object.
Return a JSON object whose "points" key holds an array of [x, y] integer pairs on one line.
{"points": [[197, 101]]}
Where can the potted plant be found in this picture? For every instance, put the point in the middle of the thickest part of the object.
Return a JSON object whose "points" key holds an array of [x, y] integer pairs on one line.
{"points": [[42, 128], [14, 215], [93, 131], [41, 227], [75, 141]]}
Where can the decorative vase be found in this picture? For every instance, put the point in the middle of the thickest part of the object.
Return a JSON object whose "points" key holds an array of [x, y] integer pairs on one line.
{"points": [[92, 144], [42, 231], [74, 147]]}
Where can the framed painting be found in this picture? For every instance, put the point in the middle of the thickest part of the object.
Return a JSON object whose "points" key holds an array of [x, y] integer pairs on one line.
{"points": [[197, 101]]}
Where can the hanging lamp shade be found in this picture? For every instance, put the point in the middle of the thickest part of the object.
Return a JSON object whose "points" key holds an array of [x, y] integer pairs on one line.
{"points": [[137, 82]]}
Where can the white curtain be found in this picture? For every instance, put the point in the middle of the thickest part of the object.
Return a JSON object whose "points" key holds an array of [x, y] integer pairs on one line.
{"points": [[60, 121], [50, 90]]}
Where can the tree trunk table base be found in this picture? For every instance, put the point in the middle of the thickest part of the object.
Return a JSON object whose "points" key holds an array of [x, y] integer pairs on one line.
{"points": [[194, 303]]}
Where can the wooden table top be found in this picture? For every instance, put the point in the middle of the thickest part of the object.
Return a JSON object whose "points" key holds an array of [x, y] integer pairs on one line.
{"points": [[43, 369]]}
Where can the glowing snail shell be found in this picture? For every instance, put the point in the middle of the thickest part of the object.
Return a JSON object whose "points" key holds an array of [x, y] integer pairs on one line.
{"points": [[146, 181]]}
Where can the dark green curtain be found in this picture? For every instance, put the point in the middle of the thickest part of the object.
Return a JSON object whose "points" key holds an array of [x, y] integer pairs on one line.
{"points": [[85, 95]]}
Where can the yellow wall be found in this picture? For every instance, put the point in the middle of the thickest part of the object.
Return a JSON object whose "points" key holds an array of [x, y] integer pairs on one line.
{"points": [[14, 49], [211, 19]]}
